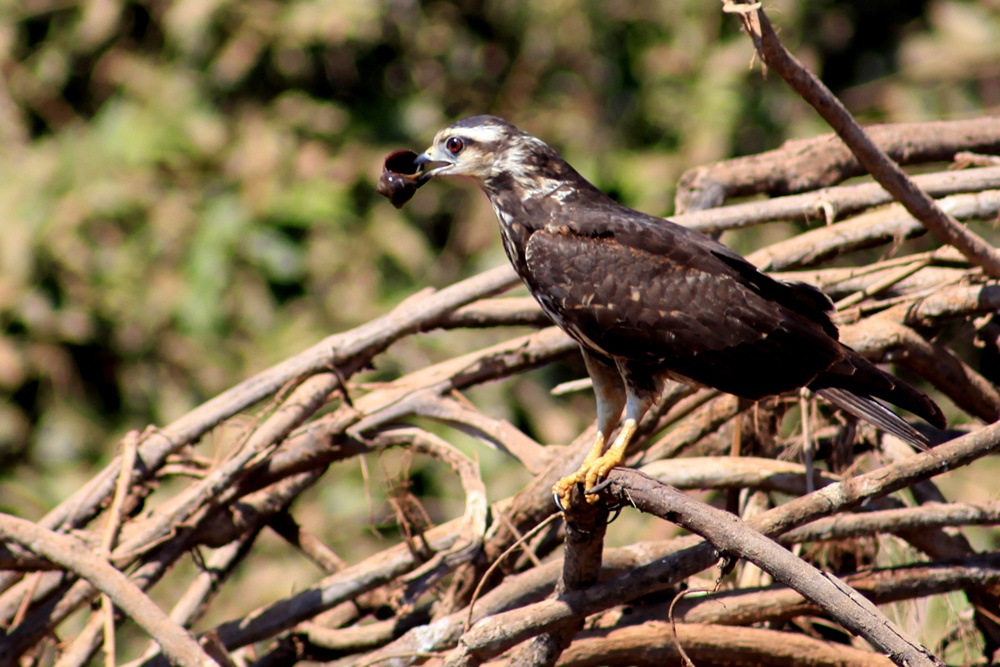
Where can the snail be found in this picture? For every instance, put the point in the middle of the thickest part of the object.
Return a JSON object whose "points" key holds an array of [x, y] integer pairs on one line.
{"points": [[400, 177]]}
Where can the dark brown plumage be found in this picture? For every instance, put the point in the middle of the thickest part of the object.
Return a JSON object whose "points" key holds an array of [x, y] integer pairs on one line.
{"points": [[648, 300]]}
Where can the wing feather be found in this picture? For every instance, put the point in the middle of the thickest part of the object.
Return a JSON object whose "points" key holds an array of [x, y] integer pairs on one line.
{"points": [[680, 301]]}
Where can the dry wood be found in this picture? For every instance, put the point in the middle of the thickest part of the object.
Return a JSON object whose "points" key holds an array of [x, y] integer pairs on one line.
{"points": [[804, 165], [645, 644], [75, 556], [830, 204]]}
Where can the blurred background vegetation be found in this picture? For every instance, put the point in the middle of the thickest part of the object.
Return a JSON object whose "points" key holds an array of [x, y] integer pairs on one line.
{"points": [[187, 188]]}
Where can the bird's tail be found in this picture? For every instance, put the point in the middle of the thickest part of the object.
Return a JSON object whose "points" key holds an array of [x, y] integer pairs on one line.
{"points": [[870, 410], [855, 384]]}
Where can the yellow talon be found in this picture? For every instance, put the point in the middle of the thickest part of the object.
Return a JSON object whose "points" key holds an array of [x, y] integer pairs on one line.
{"points": [[596, 466], [598, 472], [563, 489]]}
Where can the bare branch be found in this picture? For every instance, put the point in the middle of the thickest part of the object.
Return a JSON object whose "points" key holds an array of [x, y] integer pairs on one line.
{"points": [[706, 645], [802, 165], [347, 352], [493, 635], [886, 225], [716, 472], [735, 539], [895, 520], [779, 603], [829, 204], [77, 557]]}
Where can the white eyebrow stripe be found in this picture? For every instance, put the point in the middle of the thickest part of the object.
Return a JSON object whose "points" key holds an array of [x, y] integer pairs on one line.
{"points": [[483, 134]]}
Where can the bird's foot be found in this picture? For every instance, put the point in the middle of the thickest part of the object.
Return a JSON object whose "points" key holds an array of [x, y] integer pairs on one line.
{"points": [[596, 476], [562, 491], [592, 475]]}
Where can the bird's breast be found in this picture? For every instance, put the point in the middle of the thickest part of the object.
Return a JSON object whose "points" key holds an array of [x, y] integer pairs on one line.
{"points": [[515, 238]]}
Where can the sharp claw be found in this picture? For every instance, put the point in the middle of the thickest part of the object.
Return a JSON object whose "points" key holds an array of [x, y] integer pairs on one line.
{"points": [[556, 497], [597, 488]]}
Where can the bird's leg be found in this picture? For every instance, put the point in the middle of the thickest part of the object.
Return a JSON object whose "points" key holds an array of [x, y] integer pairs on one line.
{"points": [[635, 408], [599, 468], [610, 396]]}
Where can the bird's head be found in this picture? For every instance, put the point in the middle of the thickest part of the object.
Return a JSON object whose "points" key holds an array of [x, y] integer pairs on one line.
{"points": [[486, 149]]}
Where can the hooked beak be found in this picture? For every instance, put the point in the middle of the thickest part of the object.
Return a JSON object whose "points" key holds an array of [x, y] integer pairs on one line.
{"points": [[432, 165]]}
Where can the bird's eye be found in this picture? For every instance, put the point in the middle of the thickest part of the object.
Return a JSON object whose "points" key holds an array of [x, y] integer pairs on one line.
{"points": [[454, 145]]}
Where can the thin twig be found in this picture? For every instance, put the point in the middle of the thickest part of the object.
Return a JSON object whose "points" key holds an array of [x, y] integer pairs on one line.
{"points": [[129, 444], [496, 563], [873, 158]]}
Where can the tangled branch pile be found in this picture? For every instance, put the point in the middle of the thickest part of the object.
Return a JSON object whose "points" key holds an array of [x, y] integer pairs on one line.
{"points": [[920, 306]]}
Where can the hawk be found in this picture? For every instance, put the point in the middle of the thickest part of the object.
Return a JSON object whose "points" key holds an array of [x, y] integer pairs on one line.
{"points": [[649, 300]]}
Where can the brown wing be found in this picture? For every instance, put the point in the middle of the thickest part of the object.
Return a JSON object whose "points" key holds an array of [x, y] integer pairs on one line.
{"points": [[657, 295]]}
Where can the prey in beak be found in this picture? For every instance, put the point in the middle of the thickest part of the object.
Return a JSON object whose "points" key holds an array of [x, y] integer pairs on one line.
{"points": [[403, 172], [471, 149]]}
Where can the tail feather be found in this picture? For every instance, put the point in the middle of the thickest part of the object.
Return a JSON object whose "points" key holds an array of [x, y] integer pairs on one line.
{"points": [[870, 410], [863, 378], [854, 384]]}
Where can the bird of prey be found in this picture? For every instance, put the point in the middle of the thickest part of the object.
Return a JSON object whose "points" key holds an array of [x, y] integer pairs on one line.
{"points": [[649, 300]]}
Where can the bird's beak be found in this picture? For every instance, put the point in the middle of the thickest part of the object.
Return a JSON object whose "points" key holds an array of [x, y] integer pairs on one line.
{"points": [[433, 166]]}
